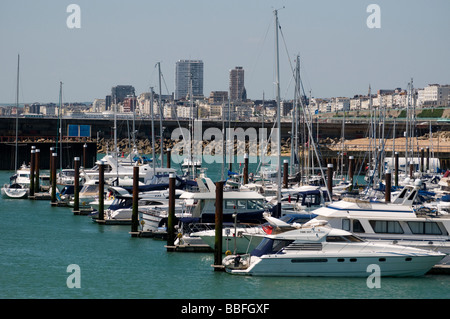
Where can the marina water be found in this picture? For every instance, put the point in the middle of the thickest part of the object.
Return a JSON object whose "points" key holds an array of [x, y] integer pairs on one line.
{"points": [[39, 242]]}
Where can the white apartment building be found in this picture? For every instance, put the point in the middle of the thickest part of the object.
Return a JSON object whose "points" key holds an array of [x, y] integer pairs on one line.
{"points": [[186, 112], [341, 104], [99, 105], [434, 95]]}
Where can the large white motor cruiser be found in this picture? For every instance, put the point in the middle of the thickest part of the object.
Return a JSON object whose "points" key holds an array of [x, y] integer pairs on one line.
{"points": [[325, 251], [399, 222]]}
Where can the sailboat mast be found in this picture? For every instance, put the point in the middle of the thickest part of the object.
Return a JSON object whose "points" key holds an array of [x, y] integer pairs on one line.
{"points": [[160, 117], [278, 114], [153, 131], [294, 126], [60, 125], [17, 114], [116, 150]]}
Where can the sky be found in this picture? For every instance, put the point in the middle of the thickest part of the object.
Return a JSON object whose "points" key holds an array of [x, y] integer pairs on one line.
{"points": [[120, 42]]}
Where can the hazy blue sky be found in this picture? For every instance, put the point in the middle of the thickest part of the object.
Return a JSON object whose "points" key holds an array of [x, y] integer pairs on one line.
{"points": [[120, 42]]}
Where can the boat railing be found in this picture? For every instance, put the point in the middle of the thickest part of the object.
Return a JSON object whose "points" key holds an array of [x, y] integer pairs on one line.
{"points": [[188, 228]]}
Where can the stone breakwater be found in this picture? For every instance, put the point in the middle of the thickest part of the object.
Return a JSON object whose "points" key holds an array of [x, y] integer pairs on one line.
{"points": [[439, 141], [144, 146]]}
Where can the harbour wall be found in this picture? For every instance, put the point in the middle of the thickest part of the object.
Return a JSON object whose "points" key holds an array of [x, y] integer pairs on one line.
{"points": [[43, 133]]}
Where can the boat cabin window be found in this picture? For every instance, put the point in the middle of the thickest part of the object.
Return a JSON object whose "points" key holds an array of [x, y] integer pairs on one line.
{"points": [[428, 228], [255, 204], [311, 200], [270, 246], [243, 204], [386, 227], [230, 204], [345, 239], [346, 224], [357, 227]]}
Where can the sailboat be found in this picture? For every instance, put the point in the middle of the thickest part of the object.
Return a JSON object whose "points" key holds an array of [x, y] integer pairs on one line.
{"points": [[18, 186]]}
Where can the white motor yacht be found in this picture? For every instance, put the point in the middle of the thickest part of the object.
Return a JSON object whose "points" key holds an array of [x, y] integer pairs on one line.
{"points": [[325, 251], [242, 239], [397, 222], [19, 184]]}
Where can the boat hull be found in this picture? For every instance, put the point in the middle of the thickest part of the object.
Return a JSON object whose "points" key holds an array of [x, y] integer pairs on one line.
{"points": [[322, 266], [14, 193]]}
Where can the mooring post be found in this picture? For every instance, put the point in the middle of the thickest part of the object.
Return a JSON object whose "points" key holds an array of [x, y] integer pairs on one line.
{"points": [[422, 160], [134, 216], [330, 179], [285, 174], [387, 192], [428, 159], [52, 149], [37, 186], [218, 225], [84, 154], [171, 216], [53, 195], [168, 157], [245, 169], [101, 190], [76, 185], [396, 170], [33, 150], [411, 170]]}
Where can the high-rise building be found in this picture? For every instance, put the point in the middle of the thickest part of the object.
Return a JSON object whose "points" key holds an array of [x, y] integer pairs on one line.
{"points": [[120, 92], [237, 89], [185, 71], [107, 102]]}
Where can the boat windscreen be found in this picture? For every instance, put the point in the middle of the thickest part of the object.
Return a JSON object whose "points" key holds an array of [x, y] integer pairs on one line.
{"points": [[270, 246]]}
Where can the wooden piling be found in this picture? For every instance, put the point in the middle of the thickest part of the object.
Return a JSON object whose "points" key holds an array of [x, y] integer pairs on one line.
{"points": [[387, 192], [218, 226], [37, 186], [134, 215], [330, 179], [428, 159], [285, 173], [411, 170], [168, 157], [53, 195], [171, 215], [101, 190], [76, 185], [422, 160], [245, 169], [31, 192], [52, 149], [84, 154]]}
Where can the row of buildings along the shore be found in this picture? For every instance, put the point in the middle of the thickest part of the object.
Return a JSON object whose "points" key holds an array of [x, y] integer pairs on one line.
{"points": [[188, 100]]}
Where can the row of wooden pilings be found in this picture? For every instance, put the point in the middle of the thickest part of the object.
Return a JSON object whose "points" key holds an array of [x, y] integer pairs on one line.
{"points": [[171, 235], [35, 185]]}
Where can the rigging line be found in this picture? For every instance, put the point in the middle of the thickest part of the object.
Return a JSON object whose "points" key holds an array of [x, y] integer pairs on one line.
{"points": [[165, 84], [173, 108], [260, 50]]}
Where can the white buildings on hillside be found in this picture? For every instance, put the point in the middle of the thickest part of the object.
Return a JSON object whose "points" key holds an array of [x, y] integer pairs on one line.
{"points": [[434, 95]]}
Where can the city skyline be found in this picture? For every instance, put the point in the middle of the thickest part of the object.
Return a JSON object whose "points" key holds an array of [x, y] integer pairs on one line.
{"points": [[120, 43]]}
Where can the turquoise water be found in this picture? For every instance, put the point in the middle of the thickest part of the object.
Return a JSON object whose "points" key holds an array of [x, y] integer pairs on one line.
{"points": [[38, 243]]}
